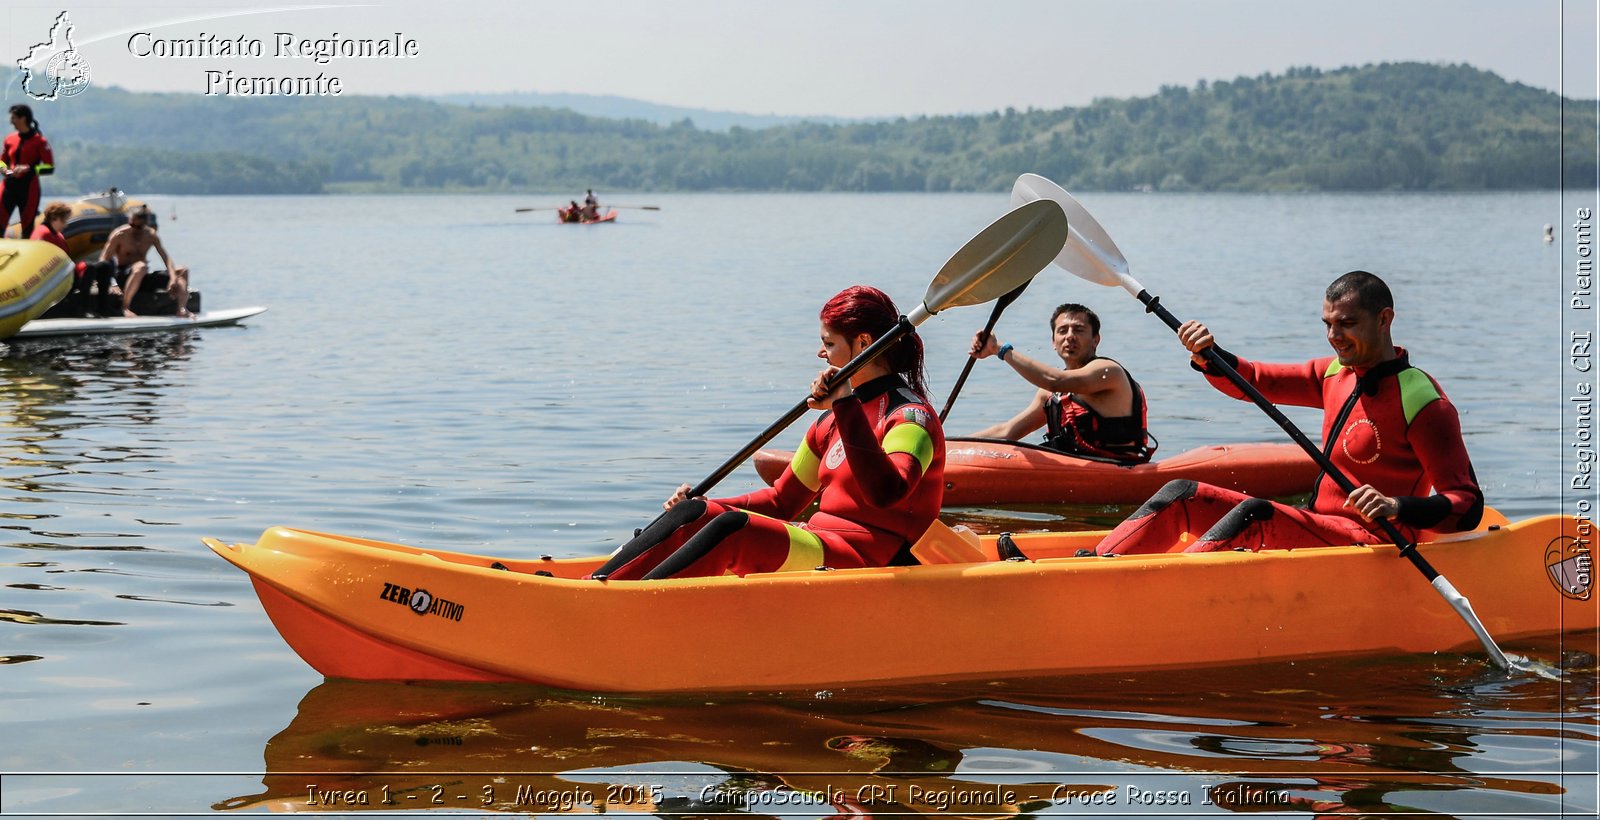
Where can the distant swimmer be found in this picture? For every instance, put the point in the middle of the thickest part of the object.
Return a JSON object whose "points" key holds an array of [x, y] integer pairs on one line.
{"points": [[1549, 234]]}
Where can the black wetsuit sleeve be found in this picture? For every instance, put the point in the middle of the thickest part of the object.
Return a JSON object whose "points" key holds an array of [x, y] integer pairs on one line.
{"points": [[1423, 513], [1232, 360]]}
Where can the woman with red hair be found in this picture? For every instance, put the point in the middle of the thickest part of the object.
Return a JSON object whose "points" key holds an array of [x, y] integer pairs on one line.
{"points": [[876, 460]]}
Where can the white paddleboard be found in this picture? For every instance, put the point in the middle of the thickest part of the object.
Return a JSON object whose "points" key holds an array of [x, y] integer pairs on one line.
{"points": [[40, 328]]}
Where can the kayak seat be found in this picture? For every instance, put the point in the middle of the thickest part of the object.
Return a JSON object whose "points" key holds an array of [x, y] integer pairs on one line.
{"points": [[943, 544]]}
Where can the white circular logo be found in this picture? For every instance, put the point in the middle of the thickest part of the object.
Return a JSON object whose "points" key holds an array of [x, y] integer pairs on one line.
{"points": [[835, 454], [1361, 441], [69, 71], [420, 601]]}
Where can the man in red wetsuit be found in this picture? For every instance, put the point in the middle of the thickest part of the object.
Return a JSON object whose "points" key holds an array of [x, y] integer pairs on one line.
{"points": [[874, 464], [24, 157], [1387, 425], [1091, 408]]}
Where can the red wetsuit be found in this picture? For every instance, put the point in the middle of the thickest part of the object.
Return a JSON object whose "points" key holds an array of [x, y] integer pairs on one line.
{"points": [[1390, 426], [22, 193], [98, 272], [45, 234], [1075, 428], [877, 462]]}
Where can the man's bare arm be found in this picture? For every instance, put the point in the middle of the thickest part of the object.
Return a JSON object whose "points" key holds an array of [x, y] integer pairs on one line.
{"points": [[1030, 419], [161, 250], [109, 251]]}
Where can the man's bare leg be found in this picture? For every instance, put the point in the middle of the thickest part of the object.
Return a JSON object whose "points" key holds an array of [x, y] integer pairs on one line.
{"points": [[179, 290], [131, 289]]}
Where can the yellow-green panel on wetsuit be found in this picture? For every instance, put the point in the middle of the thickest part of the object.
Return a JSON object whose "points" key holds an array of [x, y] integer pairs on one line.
{"points": [[912, 439], [806, 466]]}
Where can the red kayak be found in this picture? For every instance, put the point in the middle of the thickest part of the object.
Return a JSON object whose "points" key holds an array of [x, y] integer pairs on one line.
{"points": [[608, 216], [981, 471]]}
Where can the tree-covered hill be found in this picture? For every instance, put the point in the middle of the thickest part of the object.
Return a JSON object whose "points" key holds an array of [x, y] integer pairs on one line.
{"points": [[1405, 126]]}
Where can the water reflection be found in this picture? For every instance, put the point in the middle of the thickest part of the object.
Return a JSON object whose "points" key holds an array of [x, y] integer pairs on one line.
{"points": [[41, 380], [1345, 737], [66, 409]]}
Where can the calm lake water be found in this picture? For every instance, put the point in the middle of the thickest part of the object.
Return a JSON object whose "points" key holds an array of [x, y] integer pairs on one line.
{"points": [[441, 371]]}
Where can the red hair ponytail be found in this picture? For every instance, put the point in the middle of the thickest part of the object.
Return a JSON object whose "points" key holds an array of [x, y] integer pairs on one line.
{"points": [[863, 309]]}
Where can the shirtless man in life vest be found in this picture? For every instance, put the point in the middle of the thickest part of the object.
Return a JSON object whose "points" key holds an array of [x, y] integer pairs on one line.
{"points": [[127, 249], [1092, 407]]}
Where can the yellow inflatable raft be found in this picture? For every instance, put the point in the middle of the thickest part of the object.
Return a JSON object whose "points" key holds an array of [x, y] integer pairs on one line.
{"points": [[33, 276]]}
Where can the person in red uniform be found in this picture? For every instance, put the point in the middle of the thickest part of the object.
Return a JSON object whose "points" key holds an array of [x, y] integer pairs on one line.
{"points": [[1091, 408], [52, 229], [24, 157], [876, 460], [1387, 425]]}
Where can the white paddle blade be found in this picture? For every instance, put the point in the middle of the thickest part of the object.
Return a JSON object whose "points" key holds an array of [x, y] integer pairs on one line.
{"points": [[1089, 252], [1002, 256]]}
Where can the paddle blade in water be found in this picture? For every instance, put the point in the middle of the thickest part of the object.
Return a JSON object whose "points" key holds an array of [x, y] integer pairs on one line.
{"points": [[1089, 252], [1000, 258]]}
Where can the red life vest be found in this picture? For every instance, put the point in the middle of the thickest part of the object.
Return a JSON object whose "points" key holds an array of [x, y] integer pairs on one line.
{"points": [[1075, 428]]}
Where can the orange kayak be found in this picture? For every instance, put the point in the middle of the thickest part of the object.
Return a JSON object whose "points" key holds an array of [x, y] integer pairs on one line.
{"points": [[364, 609], [993, 471]]}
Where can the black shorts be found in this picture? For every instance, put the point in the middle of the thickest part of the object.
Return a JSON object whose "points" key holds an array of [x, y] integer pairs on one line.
{"points": [[154, 277]]}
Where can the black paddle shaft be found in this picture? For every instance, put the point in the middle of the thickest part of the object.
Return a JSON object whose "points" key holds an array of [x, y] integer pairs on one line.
{"points": [[1216, 364], [994, 317]]}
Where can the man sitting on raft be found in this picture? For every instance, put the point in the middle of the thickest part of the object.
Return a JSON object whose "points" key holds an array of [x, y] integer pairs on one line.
{"points": [[127, 249], [1384, 422], [876, 460], [1092, 408]]}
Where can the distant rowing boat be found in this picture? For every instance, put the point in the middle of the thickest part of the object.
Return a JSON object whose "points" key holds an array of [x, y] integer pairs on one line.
{"points": [[562, 214]]}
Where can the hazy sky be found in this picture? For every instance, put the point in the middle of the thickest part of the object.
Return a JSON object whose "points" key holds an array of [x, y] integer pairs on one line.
{"points": [[854, 59]]}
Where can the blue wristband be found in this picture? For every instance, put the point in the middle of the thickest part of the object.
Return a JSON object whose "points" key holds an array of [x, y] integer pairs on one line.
{"points": [[1004, 349]]}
